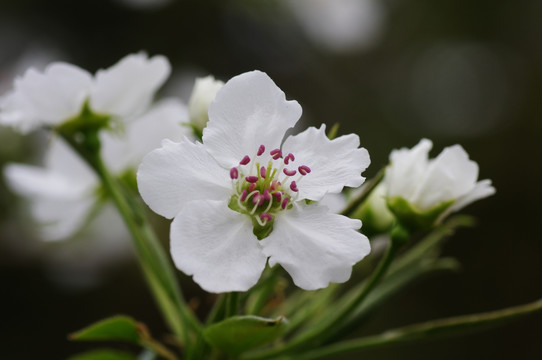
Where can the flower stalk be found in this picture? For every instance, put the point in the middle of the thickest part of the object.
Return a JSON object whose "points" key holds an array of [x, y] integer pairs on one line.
{"points": [[155, 265]]}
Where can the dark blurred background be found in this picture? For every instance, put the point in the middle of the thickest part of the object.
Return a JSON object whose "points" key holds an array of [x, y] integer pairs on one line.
{"points": [[392, 71]]}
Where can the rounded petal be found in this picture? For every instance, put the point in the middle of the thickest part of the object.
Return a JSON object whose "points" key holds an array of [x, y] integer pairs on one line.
{"points": [[216, 245], [406, 169], [162, 121], [61, 159], [334, 163], [449, 176], [127, 88], [481, 190], [60, 219], [34, 181], [47, 98], [250, 110], [177, 173], [315, 247]]}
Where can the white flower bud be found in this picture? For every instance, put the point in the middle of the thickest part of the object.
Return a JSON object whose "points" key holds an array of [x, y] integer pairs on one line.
{"points": [[203, 94]]}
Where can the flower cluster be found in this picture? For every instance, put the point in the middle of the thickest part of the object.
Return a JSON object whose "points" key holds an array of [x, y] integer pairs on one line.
{"points": [[244, 195]]}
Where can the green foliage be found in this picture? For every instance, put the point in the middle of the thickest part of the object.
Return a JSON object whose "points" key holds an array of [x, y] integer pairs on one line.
{"points": [[240, 333], [117, 327]]}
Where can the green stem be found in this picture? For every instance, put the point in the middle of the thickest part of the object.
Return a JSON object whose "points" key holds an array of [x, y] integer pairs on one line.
{"points": [[313, 337], [427, 330], [232, 304], [155, 264]]}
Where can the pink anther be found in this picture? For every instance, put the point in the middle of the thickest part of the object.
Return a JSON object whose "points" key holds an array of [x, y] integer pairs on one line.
{"points": [[266, 195], [243, 195], [289, 157], [262, 172], [284, 203], [289, 172], [293, 186], [276, 153], [251, 179], [304, 170], [234, 173], [266, 217], [258, 199], [277, 195], [261, 150], [251, 187], [244, 160]]}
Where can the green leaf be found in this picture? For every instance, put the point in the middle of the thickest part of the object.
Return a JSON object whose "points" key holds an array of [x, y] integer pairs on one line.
{"points": [[240, 333], [104, 354], [118, 327]]}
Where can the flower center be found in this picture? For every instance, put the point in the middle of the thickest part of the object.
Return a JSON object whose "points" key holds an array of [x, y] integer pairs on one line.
{"points": [[261, 190]]}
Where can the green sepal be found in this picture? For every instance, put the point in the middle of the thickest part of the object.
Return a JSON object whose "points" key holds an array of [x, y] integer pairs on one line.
{"points": [[104, 354], [414, 219], [118, 327], [86, 120], [240, 333]]}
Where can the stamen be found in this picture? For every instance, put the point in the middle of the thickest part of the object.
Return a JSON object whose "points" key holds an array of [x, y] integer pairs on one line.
{"points": [[261, 150], [277, 195], [251, 179], [266, 195], [289, 172], [244, 160], [243, 195], [289, 157], [276, 153], [284, 203], [293, 186], [266, 217], [251, 188], [304, 170], [234, 173], [258, 199], [262, 172]]}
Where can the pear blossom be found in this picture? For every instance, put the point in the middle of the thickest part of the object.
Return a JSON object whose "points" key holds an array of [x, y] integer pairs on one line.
{"points": [[432, 187], [241, 197], [59, 93], [203, 94], [64, 191]]}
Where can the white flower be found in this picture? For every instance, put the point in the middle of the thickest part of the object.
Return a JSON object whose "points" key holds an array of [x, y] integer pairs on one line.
{"points": [[64, 191], [241, 185], [441, 185], [203, 94], [59, 93]]}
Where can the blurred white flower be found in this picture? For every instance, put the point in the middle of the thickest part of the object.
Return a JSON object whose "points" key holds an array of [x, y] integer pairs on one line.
{"points": [[435, 187], [238, 199], [203, 94], [64, 191], [57, 95]]}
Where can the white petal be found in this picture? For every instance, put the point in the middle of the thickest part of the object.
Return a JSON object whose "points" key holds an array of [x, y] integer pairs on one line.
{"points": [[162, 121], [127, 88], [449, 176], [203, 94], [406, 169], [250, 110], [217, 246], [315, 246], [34, 181], [334, 163], [60, 219], [481, 190], [61, 159], [176, 173], [59, 204], [50, 98]]}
